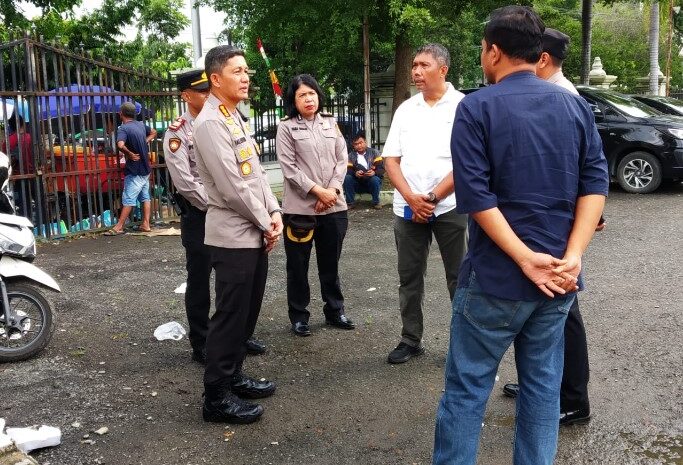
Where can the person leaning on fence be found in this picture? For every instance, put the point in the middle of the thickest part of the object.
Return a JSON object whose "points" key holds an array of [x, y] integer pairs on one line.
{"points": [[243, 224], [418, 161], [192, 203], [312, 154], [530, 172], [365, 172], [133, 141]]}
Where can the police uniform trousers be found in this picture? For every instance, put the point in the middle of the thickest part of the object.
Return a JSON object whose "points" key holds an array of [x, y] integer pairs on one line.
{"points": [[413, 241], [574, 390], [328, 237], [198, 266], [240, 283]]}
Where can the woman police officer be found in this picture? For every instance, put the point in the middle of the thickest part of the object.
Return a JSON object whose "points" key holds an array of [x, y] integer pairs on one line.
{"points": [[312, 154]]}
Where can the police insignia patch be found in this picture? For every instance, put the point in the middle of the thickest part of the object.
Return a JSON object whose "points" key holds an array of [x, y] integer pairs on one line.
{"points": [[244, 154], [224, 110], [237, 132], [174, 144], [245, 167]]}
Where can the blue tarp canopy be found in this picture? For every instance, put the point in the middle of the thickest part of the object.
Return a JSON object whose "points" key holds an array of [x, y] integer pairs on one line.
{"points": [[109, 101]]}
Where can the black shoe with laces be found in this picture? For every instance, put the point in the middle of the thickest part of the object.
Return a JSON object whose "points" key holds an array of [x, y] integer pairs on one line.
{"points": [[255, 347], [250, 388], [223, 406], [404, 352]]}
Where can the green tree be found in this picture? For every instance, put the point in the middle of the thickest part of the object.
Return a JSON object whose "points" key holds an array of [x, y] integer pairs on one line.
{"points": [[153, 48], [325, 38]]}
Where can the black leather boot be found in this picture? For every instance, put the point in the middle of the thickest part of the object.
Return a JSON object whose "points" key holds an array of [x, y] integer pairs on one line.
{"points": [[222, 406], [250, 388]]}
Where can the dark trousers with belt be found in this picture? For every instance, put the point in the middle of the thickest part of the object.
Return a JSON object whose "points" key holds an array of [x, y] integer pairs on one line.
{"points": [[198, 266], [240, 282], [574, 390], [328, 236]]}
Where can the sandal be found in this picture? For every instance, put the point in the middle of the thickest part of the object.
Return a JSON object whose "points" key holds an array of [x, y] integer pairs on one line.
{"points": [[114, 232]]}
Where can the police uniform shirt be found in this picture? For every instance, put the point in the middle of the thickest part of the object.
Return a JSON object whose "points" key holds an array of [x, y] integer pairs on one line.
{"points": [[240, 200], [310, 153], [181, 161], [421, 135], [559, 79]]}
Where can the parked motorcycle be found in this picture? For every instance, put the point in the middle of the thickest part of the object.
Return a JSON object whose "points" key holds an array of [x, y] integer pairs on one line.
{"points": [[26, 321]]}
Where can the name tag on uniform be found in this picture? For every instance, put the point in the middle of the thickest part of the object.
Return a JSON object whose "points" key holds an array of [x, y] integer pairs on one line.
{"points": [[241, 140]]}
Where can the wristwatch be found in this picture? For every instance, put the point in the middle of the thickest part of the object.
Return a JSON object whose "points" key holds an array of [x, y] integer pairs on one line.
{"points": [[277, 210], [432, 197]]}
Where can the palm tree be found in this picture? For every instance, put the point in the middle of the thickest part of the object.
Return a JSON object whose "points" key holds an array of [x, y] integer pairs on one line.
{"points": [[654, 47], [586, 20]]}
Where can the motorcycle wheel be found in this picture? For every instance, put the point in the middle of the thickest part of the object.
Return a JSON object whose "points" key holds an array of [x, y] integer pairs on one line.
{"points": [[37, 324]]}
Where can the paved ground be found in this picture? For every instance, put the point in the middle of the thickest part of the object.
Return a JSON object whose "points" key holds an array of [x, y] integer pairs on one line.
{"points": [[338, 402]]}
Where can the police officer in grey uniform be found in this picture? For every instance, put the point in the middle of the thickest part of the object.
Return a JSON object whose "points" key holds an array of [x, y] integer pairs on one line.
{"points": [[243, 224], [313, 157], [192, 203]]}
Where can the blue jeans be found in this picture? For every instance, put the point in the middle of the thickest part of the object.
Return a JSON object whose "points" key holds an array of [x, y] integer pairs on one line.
{"points": [[482, 329], [352, 184]]}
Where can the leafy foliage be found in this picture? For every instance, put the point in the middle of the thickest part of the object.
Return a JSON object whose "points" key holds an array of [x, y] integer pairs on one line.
{"points": [[151, 49]]}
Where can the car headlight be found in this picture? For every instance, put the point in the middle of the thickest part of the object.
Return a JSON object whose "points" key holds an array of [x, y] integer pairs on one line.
{"points": [[677, 133]]}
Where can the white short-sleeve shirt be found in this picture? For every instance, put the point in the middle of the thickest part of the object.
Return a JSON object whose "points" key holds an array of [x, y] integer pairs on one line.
{"points": [[421, 136]]}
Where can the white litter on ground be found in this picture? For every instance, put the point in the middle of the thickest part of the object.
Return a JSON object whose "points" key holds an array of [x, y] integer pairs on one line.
{"points": [[372, 289], [181, 289], [171, 330], [28, 439]]}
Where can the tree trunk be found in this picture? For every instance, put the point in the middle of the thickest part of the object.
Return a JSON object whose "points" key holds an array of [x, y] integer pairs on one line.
{"points": [[654, 48], [586, 24], [403, 62]]}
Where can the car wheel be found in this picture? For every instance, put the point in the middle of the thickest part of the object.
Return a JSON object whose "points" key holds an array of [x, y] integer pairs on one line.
{"points": [[639, 173]]}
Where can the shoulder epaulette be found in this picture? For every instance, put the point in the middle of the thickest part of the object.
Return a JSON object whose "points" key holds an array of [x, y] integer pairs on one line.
{"points": [[284, 119], [323, 113], [177, 124]]}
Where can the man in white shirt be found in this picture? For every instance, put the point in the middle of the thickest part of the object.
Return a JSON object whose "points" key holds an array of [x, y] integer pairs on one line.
{"points": [[417, 158]]}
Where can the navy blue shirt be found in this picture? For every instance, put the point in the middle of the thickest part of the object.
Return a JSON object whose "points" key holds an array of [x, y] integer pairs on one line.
{"points": [[530, 148], [134, 134]]}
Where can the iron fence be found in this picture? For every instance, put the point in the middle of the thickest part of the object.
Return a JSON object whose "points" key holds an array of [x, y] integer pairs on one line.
{"points": [[350, 117], [59, 113]]}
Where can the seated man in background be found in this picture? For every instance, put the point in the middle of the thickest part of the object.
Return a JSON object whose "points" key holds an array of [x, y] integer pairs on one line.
{"points": [[365, 171]]}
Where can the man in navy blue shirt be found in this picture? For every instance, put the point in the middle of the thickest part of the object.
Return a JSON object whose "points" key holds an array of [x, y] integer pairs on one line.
{"points": [[529, 169], [133, 138]]}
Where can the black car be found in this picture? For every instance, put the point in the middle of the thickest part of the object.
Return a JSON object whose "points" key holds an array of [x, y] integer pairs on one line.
{"points": [[643, 146], [668, 105]]}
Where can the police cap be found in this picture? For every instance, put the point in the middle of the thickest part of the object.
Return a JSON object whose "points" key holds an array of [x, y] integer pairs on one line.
{"points": [[194, 79], [555, 43]]}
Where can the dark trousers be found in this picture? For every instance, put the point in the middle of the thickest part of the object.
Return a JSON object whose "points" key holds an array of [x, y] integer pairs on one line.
{"points": [[574, 390], [328, 236], [352, 184], [198, 266], [412, 243], [240, 282]]}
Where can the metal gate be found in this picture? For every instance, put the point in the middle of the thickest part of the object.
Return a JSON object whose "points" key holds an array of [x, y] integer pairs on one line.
{"points": [[349, 113], [59, 112]]}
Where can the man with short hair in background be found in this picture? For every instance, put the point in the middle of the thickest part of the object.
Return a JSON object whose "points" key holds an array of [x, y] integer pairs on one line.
{"points": [[365, 172], [133, 138]]}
